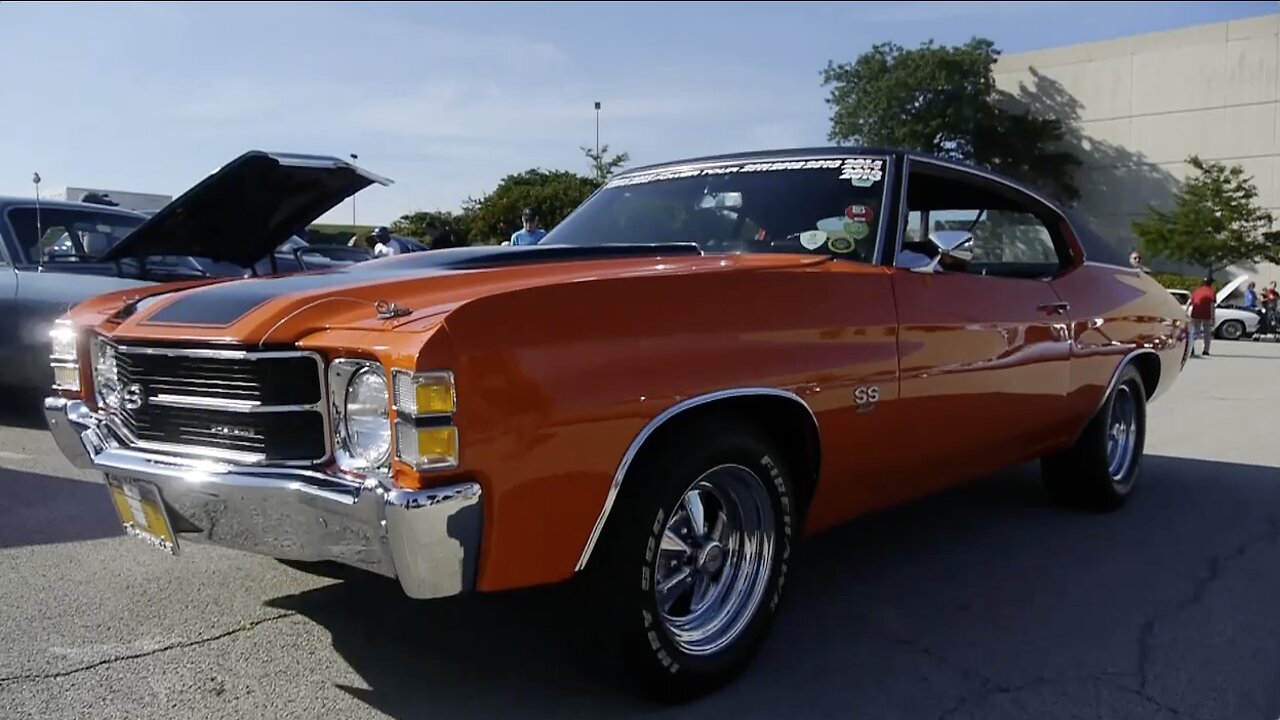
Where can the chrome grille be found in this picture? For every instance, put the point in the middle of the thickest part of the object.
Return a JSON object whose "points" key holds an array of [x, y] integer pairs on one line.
{"points": [[247, 407]]}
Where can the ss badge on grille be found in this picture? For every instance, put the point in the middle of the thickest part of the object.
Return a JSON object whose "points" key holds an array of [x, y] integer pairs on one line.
{"points": [[231, 431], [131, 396]]}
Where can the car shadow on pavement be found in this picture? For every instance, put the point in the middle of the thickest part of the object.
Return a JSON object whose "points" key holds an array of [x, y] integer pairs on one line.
{"points": [[41, 509], [983, 602], [21, 408]]}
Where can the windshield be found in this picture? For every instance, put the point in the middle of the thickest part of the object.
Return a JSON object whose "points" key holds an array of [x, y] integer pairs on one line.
{"points": [[57, 233], [820, 206]]}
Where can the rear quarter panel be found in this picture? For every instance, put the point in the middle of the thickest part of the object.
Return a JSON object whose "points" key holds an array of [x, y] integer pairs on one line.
{"points": [[554, 383], [1114, 312]]}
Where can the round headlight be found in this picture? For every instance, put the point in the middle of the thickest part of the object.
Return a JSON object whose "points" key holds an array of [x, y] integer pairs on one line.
{"points": [[367, 418]]}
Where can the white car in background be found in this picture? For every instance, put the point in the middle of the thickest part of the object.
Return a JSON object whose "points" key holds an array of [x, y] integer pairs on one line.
{"points": [[1232, 323]]}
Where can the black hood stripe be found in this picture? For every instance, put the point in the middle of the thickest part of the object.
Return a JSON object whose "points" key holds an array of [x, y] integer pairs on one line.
{"points": [[226, 303]]}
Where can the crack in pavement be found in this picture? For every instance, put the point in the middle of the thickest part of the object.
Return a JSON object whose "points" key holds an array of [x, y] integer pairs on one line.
{"points": [[999, 689], [1105, 679], [245, 627], [986, 682], [992, 688], [1146, 634]]}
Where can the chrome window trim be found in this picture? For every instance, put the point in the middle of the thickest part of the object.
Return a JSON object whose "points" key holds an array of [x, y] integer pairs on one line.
{"points": [[979, 174], [656, 423], [341, 371], [201, 451], [886, 201]]}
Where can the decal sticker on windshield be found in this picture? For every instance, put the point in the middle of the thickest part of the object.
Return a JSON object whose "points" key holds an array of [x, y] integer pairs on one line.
{"points": [[859, 213], [857, 230], [861, 171], [840, 245], [833, 226], [813, 239]]}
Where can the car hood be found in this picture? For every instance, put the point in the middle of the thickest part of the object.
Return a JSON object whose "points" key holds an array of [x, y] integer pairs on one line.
{"points": [[386, 293], [246, 208], [1230, 288]]}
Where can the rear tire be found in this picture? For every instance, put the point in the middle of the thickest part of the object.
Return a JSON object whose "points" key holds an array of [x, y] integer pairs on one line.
{"points": [[691, 568], [1100, 470]]}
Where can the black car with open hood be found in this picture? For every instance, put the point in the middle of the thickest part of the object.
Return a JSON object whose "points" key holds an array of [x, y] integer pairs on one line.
{"points": [[240, 220], [247, 208]]}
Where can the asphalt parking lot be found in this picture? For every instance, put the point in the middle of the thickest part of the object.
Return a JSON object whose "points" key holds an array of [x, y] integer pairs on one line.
{"points": [[986, 602]]}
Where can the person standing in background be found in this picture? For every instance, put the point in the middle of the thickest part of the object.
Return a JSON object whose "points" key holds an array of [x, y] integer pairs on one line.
{"points": [[1251, 297], [1135, 260], [530, 234], [1204, 301]]}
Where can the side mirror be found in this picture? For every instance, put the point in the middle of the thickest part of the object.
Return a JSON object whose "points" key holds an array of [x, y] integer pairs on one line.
{"points": [[953, 244], [955, 250]]}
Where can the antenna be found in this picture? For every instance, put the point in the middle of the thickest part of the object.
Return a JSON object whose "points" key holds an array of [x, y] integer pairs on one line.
{"points": [[35, 179]]}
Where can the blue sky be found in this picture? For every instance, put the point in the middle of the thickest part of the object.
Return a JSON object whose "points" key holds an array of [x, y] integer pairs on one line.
{"points": [[446, 99]]}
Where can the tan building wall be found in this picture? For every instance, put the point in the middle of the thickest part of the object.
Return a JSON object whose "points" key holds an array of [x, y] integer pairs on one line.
{"points": [[1141, 105]]}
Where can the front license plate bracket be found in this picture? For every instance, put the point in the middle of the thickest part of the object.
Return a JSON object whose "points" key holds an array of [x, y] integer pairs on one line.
{"points": [[142, 512]]}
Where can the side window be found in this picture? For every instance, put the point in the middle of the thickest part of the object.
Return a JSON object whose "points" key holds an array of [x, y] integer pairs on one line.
{"points": [[1011, 237]]}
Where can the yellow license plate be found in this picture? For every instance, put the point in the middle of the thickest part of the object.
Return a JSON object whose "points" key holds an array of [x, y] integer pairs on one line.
{"points": [[142, 512]]}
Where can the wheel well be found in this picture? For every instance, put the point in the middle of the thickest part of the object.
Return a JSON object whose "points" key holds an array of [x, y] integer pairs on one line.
{"points": [[786, 421], [1148, 366], [783, 418]]}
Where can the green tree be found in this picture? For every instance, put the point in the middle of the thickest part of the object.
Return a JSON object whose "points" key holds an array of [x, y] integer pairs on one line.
{"points": [[553, 194], [601, 168], [944, 100], [1215, 221], [433, 224]]}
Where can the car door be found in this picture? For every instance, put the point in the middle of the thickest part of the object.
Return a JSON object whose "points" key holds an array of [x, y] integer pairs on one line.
{"points": [[984, 346], [8, 295]]}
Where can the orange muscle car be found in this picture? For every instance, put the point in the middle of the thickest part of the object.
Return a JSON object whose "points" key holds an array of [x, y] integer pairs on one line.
{"points": [[706, 362]]}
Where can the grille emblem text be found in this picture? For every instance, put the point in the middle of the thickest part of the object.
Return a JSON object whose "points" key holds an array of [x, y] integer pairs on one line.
{"points": [[132, 397], [231, 431]]}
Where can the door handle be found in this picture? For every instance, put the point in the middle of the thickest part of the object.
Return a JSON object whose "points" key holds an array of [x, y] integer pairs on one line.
{"points": [[1056, 308]]}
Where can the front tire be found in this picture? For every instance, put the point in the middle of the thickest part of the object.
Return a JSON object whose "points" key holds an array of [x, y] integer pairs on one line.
{"points": [[1100, 470], [694, 561], [1231, 330]]}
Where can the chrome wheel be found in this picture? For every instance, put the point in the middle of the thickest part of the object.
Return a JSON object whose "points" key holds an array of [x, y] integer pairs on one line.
{"points": [[714, 559], [1122, 435]]}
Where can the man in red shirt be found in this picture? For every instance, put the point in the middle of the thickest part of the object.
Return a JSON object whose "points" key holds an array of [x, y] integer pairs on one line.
{"points": [[1204, 301]]}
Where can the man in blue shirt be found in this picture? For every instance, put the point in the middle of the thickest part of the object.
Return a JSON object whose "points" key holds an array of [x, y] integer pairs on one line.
{"points": [[1251, 297], [531, 233]]}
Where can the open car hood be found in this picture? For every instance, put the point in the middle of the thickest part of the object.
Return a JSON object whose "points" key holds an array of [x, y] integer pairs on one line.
{"points": [[246, 208], [1229, 288]]}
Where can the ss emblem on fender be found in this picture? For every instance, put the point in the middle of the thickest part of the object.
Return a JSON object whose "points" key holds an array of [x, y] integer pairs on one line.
{"points": [[866, 397]]}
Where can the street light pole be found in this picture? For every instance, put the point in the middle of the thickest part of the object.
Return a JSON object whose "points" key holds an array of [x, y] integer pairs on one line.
{"points": [[599, 162], [354, 157]]}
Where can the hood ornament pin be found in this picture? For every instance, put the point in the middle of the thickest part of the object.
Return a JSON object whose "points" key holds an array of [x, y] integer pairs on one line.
{"points": [[386, 310]]}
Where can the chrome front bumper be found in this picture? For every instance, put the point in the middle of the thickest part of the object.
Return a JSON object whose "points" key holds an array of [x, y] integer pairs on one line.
{"points": [[428, 539]]}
